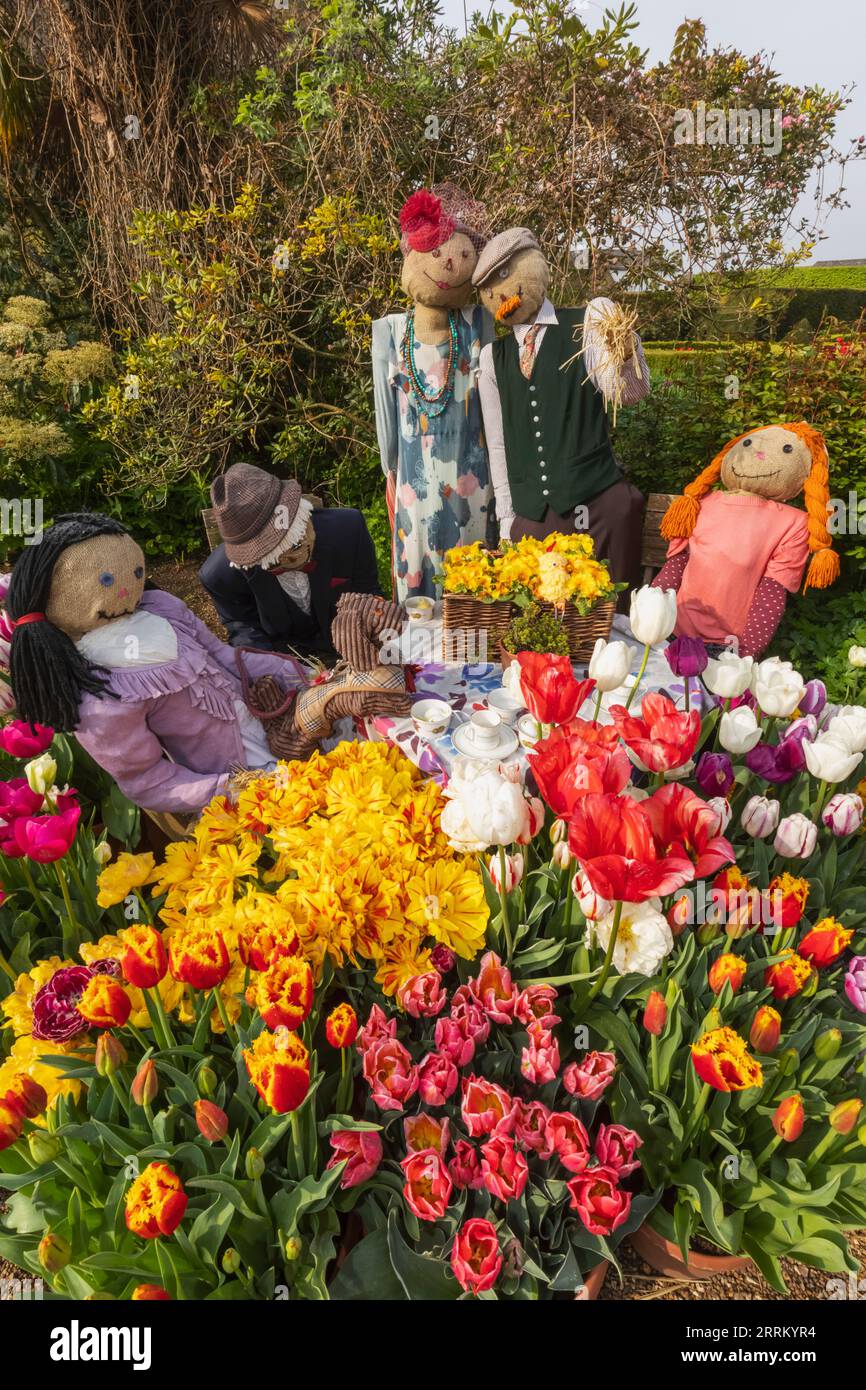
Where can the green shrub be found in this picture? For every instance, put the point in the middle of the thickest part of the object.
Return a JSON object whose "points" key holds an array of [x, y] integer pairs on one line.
{"points": [[817, 632]]}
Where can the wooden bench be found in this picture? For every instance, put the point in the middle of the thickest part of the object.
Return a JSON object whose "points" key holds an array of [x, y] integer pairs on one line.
{"points": [[654, 548]]}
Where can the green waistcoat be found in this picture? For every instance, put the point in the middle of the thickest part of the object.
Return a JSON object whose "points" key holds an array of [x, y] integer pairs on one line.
{"points": [[557, 442]]}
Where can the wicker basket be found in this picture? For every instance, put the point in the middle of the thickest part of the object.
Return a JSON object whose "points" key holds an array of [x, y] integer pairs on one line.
{"points": [[481, 627]]}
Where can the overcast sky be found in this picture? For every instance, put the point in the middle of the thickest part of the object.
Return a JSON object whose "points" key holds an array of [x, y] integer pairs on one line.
{"points": [[811, 41]]}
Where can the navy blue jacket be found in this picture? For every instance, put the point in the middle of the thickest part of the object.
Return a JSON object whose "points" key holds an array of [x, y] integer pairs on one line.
{"points": [[256, 610]]}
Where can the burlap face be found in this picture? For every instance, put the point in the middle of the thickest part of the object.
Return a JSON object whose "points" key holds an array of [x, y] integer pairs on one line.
{"points": [[524, 278], [771, 462], [441, 278], [299, 555], [94, 583]]}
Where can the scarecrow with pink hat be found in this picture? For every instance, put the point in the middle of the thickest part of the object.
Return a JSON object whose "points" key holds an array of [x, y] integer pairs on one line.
{"points": [[425, 379]]}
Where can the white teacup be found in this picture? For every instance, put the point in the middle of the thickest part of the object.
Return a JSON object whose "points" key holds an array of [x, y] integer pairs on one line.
{"points": [[484, 728], [505, 705], [419, 609], [431, 717]]}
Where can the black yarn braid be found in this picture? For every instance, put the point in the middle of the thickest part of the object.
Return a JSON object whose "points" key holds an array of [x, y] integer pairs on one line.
{"points": [[49, 675]]}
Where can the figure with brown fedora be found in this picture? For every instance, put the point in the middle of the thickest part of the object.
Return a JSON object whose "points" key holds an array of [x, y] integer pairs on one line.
{"points": [[283, 563]]}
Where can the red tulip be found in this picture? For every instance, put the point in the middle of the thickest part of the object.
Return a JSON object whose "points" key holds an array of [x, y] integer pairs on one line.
{"points": [[46, 838], [598, 1200], [683, 823], [549, 687], [613, 840], [475, 1256], [664, 737], [577, 758], [655, 1014], [213, 1123]]}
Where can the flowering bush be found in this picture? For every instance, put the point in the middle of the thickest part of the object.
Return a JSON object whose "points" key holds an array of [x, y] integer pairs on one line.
{"points": [[485, 1174]]}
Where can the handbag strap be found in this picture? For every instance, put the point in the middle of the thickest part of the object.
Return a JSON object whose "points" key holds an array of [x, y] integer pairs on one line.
{"points": [[291, 695]]}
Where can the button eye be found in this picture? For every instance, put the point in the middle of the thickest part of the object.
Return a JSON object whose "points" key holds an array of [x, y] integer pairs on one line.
{"points": [[138, 571], [503, 272], [747, 443], [106, 578], [464, 254], [436, 254], [787, 448]]}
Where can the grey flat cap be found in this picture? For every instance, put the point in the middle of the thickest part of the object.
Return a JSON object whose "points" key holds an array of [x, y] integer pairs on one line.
{"points": [[500, 249]]}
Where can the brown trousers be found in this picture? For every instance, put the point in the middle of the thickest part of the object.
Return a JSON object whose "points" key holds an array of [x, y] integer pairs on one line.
{"points": [[615, 522]]}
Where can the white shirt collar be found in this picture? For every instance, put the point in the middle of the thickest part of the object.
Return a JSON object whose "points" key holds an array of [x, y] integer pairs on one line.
{"points": [[546, 315]]}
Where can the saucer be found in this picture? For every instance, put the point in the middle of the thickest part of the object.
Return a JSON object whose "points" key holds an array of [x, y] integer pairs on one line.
{"points": [[505, 745]]}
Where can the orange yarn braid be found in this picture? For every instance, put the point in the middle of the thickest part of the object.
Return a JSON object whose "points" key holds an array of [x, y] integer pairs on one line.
{"points": [[681, 516]]}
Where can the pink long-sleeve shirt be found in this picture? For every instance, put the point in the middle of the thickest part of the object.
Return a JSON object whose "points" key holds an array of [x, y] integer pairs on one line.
{"points": [[739, 539]]}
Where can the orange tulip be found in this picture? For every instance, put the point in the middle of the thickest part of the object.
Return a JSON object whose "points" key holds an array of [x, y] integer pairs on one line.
{"points": [[726, 969], [789, 1118], [156, 1202], [655, 1014], [104, 1003], [721, 1059], [766, 1029], [279, 1068]]}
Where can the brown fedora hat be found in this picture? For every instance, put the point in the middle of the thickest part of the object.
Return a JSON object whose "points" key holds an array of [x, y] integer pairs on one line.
{"points": [[254, 511]]}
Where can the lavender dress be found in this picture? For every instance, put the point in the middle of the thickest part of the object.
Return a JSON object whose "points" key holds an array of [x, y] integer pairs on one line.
{"points": [[172, 738]]}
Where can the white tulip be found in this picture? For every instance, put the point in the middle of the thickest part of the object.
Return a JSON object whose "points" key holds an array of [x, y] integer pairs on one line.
{"points": [[102, 853], [484, 808], [457, 830], [830, 758], [41, 773], [796, 836], [643, 941], [777, 687], [728, 675], [609, 664], [513, 871], [721, 808], [760, 816], [857, 656], [849, 726], [653, 614], [739, 730]]}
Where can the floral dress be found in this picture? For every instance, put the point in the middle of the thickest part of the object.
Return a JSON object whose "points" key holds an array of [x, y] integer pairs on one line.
{"points": [[444, 495]]}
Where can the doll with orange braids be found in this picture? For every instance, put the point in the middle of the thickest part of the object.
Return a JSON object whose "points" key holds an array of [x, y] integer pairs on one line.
{"points": [[736, 552]]}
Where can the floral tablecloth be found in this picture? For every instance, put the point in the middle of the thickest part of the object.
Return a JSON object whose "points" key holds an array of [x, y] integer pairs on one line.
{"points": [[465, 686]]}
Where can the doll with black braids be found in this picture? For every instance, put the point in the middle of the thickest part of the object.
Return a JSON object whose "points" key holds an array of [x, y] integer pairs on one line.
{"points": [[149, 691], [49, 675]]}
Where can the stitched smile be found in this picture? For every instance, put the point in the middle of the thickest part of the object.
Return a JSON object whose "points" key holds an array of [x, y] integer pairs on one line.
{"points": [[124, 613], [447, 284], [755, 476]]}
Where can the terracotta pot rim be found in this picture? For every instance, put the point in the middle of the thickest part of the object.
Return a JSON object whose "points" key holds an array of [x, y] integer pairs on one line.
{"points": [[663, 1255]]}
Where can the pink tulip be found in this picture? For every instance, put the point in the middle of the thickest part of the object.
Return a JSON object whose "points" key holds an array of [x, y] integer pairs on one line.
{"points": [[424, 1132], [494, 990], [454, 1042], [615, 1147], [485, 1107], [535, 1003], [530, 1128], [390, 1074], [504, 1168], [428, 1185], [569, 1140], [475, 1256], [437, 1078], [599, 1201], [47, 838], [591, 1076], [376, 1029], [422, 996], [465, 1166], [18, 799], [539, 1062], [22, 740], [362, 1148]]}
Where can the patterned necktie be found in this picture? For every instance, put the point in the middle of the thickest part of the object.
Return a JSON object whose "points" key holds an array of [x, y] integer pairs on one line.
{"points": [[527, 350]]}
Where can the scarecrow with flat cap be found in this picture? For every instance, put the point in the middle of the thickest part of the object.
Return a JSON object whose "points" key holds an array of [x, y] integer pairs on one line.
{"points": [[544, 389]]}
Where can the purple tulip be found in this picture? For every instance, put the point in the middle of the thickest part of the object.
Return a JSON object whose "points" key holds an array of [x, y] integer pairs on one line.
{"points": [[715, 774], [687, 656], [814, 698], [777, 763], [806, 727], [855, 983]]}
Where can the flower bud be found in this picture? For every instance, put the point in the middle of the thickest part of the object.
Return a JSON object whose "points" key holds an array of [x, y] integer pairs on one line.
{"points": [[26, 1096], [293, 1249], [766, 1028], [231, 1261], [655, 1014], [102, 853], [145, 1084], [789, 1060], [41, 774], [254, 1164], [11, 1125], [558, 831], [789, 1118], [43, 1147], [443, 960], [680, 914], [707, 932], [213, 1123], [561, 855], [54, 1252], [861, 1136], [843, 1117], [206, 1080], [110, 1054], [827, 1044]]}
